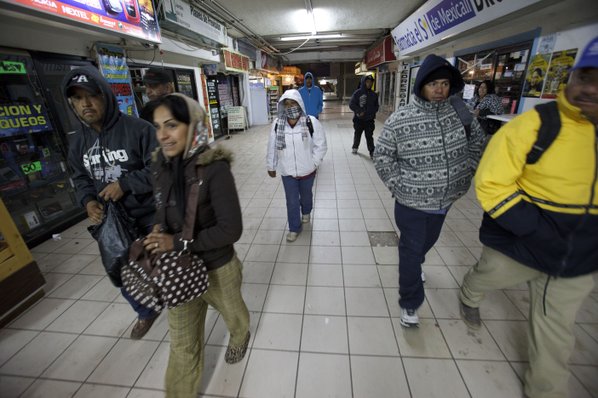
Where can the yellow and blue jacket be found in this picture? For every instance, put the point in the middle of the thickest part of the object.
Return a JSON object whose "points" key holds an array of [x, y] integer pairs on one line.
{"points": [[543, 215]]}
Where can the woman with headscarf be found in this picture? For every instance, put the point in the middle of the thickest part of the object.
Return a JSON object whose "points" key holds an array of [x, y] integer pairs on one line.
{"points": [[296, 148], [183, 159], [488, 103]]}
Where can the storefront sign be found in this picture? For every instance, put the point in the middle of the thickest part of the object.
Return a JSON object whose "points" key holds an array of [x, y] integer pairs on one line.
{"points": [[113, 66], [134, 18], [187, 20], [437, 20], [380, 54], [236, 118], [12, 68], [17, 118], [265, 61], [235, 62]]}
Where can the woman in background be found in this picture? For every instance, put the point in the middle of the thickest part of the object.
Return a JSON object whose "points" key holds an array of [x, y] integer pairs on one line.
{"points": [[488, 103]]}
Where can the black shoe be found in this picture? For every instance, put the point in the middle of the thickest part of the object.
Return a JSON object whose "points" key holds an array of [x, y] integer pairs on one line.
{"points": [[142, 326], [470, 315], [372, 155]]}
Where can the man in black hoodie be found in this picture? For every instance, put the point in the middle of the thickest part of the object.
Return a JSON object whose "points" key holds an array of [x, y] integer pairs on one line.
{"points": [[364, 103], [110, 157]]}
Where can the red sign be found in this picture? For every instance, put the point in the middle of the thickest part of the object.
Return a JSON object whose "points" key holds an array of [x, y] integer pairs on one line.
{"points": [[131, 17], [380, 54], [235, 62]]}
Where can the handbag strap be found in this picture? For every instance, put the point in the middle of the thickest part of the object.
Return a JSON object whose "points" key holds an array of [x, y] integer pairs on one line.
{"points": [[191, 209]]}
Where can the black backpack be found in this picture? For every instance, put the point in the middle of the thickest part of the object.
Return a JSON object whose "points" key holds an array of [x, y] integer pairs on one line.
{"points": [[550, 126], [310, 126]]}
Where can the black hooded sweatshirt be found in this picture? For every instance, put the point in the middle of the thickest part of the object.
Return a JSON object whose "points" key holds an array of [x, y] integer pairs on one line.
{"points": [[371, 102], [126, 143]]}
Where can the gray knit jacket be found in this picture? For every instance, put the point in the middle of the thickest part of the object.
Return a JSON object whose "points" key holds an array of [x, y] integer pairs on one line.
{"points": [[424, 156]]}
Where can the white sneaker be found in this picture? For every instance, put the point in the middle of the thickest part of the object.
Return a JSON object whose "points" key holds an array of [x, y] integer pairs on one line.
{"points": [[409, 318], [305, 218], [423, 277], [292, 236]]}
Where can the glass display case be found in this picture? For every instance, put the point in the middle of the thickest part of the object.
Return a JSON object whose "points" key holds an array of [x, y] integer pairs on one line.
{"points": [[34, 179]]}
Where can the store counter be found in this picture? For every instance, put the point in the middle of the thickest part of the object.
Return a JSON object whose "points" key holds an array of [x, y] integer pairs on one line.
{"points": [[503, 118], [21, 280]]}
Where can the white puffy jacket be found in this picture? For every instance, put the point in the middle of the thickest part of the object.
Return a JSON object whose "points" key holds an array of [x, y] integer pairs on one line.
{"points": [[301, 156]]}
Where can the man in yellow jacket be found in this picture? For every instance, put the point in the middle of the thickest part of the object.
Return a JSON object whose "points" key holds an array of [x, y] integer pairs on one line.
{"points": [[540, 225]]}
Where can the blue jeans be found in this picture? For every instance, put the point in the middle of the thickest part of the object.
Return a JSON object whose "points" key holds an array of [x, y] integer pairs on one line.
{"points": [[419, 232], [300, 199]]}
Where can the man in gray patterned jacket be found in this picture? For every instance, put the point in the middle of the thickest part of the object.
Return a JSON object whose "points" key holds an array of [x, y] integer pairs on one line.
{"points": [[427, 158]]}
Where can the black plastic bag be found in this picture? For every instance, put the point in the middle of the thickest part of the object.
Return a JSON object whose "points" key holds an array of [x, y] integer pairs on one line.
{"points": [[114, 235]]}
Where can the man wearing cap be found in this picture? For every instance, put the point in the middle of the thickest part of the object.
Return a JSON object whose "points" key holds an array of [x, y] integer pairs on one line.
{"points": [[158, 83], [110, 157], [364, 104], [426, 158], [540, 225]]}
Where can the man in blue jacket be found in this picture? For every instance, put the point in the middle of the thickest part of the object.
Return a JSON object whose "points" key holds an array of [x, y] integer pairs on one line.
{"points": [[110, 157], [313, 97], [364, 103]]}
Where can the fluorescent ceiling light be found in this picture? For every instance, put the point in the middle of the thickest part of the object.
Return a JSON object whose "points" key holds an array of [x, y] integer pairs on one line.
{"points": [[305, 37]]}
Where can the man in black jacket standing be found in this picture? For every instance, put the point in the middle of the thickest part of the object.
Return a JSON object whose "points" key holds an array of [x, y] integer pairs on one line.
{"points": [[110, 157], [364, 103]]}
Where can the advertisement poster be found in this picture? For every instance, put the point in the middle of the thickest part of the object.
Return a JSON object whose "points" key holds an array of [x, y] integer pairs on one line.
{"points": [[113, 66], [22, 118], [556, 78], [536, 73], [135, 18]]}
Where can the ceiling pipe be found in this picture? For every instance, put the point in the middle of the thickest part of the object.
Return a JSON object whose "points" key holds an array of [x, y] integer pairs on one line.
{"points": [[231, 18]]}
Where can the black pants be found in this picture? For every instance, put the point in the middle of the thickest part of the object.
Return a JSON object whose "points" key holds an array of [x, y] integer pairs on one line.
{"points": [[419, 232], [361, 126]]}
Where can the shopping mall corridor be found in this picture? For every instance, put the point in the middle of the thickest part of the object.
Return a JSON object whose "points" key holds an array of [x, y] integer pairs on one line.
{"points": [[324, 311]]}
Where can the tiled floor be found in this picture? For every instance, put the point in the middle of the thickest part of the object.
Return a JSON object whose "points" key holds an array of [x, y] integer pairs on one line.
{"points": [[323, 309]]}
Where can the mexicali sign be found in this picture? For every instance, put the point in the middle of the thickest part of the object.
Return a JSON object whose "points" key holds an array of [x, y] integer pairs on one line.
{"points": [[438, 20]]}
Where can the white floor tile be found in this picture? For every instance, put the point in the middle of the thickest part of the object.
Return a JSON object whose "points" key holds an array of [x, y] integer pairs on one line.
{"points": [[279, 332], [13, 386], [153, 374], [358, 238], [42, 314], [324, 301], [80, 359], [361, 276], [323, 333], [325, 275], [38, 354], [115, 319], [219, 378], [357, 255], [490, 379], [268, 237], [51, 389], [466, 344], [104, 290], [280, 368], [325, 255], [75, 263], [11, 341], [254, 295], [426, 341], [293, 254], [323, 375], [289, 274], [363, 342], [434, 378], [78, 317], [386, 255], [378, 377], [101, 391], [326, 238], [285, 299], [366, 302], [257, 272], [265, 253], [125, 362]]}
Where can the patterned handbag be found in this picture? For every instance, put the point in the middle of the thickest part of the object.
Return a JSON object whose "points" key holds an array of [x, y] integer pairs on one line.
{"points": [[171, 278]]}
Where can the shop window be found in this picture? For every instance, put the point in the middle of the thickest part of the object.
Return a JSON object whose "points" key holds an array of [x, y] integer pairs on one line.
{"points": [[34, 181], [504, 66]]}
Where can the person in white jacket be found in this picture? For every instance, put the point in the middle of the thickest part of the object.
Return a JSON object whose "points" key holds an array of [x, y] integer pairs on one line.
{"points": [[296, 148]]}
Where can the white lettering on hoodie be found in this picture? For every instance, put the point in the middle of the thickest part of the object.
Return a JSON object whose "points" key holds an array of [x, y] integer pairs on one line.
{"points": [[105, 164]]}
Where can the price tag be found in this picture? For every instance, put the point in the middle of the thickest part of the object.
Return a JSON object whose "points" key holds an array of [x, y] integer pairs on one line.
{"points": [[32, 167]]}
